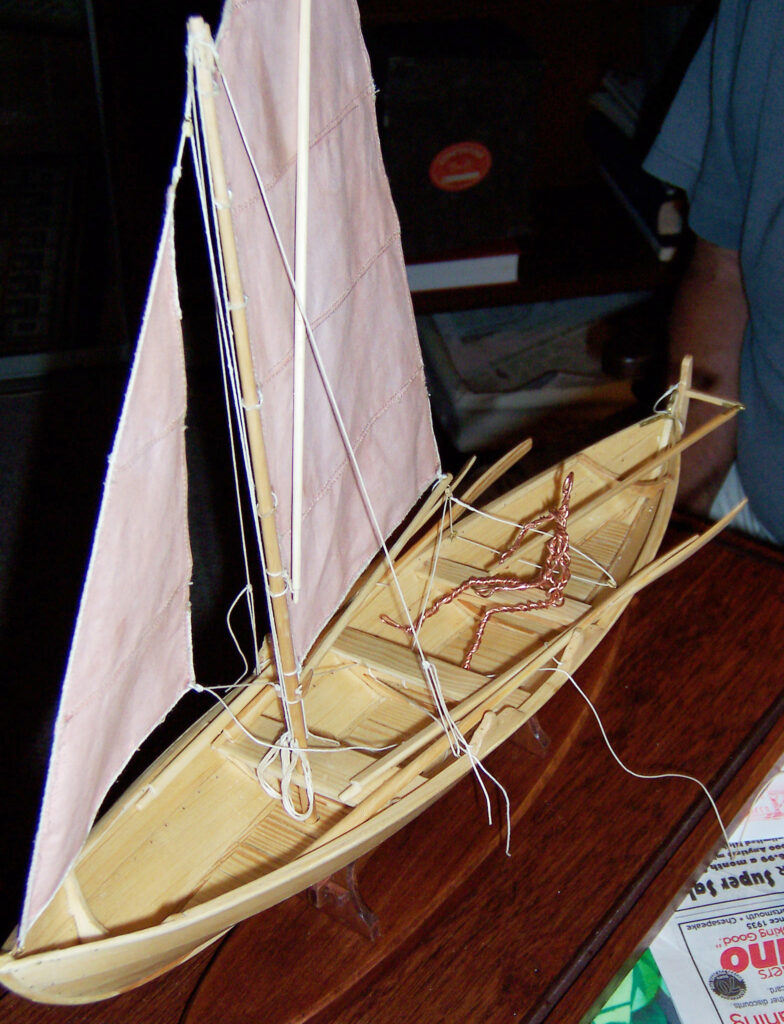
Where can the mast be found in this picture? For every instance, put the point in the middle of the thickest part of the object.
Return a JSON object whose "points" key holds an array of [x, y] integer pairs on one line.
{"points": [[204, 64]]}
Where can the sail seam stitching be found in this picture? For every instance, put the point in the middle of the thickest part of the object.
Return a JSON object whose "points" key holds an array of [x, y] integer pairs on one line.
{"points": [[316, 322], [159, 615], [354, 103], [345, 463], [381, 251], [171, 427]]}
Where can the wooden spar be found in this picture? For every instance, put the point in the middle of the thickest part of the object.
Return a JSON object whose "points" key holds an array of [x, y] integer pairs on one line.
{"points": [[729, 410], [300, 283], [635, 476], [672, 559], [680, 401], [202, 38], [494, 473]]}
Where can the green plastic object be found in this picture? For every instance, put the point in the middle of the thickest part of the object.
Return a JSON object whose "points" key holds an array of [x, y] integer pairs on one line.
{"points": [[633, 1000]]}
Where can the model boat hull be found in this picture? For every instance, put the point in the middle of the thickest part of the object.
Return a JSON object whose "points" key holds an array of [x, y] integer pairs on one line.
{"points": [[198, 846]]}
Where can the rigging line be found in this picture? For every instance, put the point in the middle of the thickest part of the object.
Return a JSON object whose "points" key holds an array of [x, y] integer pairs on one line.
{"points": [[476, 765], [457, 741], [543, 533], [440, 703], [479, 767], [233, 635], [659, 405], [228, 364], [288, 754], [302, 323], [639, 775], [300, 272], [444, 715], [314, 347], [610, 582], [220, 286], [198, 161], [309, 331], [223, 341], [233, 361], [434, 565]]}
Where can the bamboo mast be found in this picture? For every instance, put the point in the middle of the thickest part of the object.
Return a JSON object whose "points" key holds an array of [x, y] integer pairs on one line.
{"points": [[200, 33]]}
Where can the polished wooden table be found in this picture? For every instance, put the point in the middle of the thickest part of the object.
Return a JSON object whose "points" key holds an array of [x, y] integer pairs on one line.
{"points": [[691, 680]]}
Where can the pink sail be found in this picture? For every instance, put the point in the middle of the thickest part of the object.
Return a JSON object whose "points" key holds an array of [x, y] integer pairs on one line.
{"points": [[131, 655], [130, 659], [357, 298]]}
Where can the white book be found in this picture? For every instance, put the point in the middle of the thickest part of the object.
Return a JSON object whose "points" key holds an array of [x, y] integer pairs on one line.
{"points": [[467, 270]]}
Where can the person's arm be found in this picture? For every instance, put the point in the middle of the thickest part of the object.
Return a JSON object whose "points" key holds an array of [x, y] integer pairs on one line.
{"points": [[708, 321]]}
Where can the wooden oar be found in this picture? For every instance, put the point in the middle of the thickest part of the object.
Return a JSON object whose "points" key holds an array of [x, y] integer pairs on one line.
{"points": [[673, 558], [730, 410], [495, 472]]}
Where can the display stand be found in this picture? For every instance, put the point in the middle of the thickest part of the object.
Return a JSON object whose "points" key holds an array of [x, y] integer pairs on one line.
{"points": [[339, 897]]}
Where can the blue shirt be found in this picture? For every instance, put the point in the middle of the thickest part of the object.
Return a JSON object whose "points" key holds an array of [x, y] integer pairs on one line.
{"points": [[723, 142]]}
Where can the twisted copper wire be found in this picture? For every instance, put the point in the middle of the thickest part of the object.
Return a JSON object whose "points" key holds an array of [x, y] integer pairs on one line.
{"points": [[551, 578]]}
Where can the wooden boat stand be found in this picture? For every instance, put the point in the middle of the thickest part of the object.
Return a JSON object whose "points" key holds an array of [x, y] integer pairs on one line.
{"points": [[339, 895]]}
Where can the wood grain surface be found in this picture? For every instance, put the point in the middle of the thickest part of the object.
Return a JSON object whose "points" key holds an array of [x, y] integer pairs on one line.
{"points": [[689, 681]]}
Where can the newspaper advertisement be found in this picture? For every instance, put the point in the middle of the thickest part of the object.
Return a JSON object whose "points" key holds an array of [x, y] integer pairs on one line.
{"points": [[722, 952]]}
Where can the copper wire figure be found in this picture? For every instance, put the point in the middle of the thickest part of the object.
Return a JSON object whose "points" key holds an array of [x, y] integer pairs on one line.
{"points": [[551, 578]]}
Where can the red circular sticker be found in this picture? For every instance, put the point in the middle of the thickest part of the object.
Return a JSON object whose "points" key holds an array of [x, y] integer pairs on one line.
{"points": [[460, 166]]}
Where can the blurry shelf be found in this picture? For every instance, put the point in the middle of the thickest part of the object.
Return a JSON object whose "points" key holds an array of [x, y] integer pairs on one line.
{"points": [[582, 243]]}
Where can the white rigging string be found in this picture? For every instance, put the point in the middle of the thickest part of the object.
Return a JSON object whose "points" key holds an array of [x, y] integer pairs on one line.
{"points": [[228, 366], [300, 270], [639, 775], [458, 743], [209, 211], [610, 579]]}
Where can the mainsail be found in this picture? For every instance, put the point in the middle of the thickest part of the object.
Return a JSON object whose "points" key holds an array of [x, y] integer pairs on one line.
{"points": [[131, 655], [358, 304]]}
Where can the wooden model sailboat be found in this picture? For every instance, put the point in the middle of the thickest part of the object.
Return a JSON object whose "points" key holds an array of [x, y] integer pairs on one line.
{"points": [[381, 687]]}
